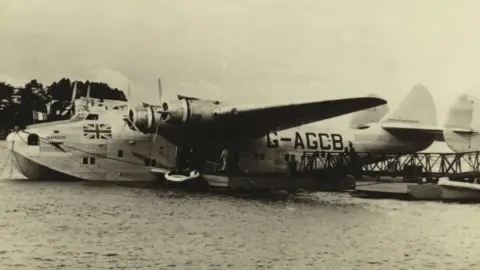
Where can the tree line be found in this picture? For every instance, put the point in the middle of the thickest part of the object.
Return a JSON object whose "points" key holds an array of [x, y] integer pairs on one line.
{"points": [[19, 104]]}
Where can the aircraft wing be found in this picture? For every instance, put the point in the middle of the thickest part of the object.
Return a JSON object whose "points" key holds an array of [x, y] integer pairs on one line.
{"points": [[191, 121], [259, 120], [396, 127]]}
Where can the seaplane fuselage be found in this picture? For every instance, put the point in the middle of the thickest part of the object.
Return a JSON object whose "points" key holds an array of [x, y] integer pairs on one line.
{"points": [[116, 145], [100, 146]]}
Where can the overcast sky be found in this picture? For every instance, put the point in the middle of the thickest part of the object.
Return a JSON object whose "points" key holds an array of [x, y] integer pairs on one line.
{"points": [[249, 50]]}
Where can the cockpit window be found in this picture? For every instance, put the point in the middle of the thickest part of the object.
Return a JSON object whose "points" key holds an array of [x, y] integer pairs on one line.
{"points": [[92, 116], [78, 117]]}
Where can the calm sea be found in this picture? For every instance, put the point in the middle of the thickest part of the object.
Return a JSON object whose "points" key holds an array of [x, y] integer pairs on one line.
{"points": [[51, 225]]}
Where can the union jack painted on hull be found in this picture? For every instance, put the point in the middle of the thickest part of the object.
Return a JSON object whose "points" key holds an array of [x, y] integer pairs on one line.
{"points": [[97, 131]]}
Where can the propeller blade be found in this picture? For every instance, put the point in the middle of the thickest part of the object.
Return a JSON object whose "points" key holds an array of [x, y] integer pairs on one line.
{"points": [[156, 131], [159, 89], [74, 95], [88, 97]]}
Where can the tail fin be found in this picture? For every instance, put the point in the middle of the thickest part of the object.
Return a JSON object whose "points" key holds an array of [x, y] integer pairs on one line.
{"points": [[417, 111], [462, 119], [372, 115]]}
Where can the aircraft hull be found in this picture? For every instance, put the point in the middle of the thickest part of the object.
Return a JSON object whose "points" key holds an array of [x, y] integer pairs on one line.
{"points": [[31, 169], [42, 163], [281, 182]]}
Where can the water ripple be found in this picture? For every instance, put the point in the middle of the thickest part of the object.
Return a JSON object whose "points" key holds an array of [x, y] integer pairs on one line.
{"points": [[73, 225]]}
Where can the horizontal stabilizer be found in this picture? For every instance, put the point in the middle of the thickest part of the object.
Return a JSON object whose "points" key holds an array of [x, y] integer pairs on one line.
{"points": [[462, 125], [464, 131], [368, 116], [429, 129], [416, 112], [412, 127]]}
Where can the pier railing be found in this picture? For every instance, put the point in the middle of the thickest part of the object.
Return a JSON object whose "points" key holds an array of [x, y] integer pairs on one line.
{"points": [[396, 164]]}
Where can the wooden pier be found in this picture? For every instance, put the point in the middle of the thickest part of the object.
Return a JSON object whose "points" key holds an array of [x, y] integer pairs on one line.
{"points": [[398, 175]]}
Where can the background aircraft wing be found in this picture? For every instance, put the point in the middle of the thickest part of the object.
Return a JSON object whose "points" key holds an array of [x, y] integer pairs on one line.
{"points": [[259, 120]]}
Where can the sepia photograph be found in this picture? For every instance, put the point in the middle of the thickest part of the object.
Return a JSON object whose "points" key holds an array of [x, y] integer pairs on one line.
{"points": [[239, 134]]}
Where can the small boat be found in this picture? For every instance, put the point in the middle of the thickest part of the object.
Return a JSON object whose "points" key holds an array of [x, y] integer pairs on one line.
{"points": [[459, 191], [176, 176]]}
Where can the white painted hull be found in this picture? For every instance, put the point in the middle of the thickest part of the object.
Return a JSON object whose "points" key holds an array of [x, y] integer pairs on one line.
{"points": [[45, 163], [32, 168], [458, 191]]}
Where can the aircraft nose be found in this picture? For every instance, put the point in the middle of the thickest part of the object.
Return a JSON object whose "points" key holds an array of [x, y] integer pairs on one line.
{"points": [[10, 136], [16, 137], [13, 137]]}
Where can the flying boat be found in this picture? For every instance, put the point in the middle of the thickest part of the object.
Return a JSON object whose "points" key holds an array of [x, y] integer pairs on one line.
{"points": [[141, 143]]}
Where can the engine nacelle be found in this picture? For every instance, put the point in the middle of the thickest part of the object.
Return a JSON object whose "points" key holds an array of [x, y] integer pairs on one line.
{"points": [[188, 111], [175, 112], [143, 117]]}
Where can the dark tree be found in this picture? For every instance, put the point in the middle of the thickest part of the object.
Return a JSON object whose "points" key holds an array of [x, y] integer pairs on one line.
{"points": [[18, 104]]}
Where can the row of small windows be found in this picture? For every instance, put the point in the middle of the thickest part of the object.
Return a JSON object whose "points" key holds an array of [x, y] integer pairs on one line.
{"points": [[286, 157], [148, 162], [91, 161], [259, 156], [151, 162], [87, 160]]}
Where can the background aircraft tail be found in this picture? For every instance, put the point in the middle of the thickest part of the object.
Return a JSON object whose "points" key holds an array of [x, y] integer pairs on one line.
{"points": [[368, 116], [462, 124]]}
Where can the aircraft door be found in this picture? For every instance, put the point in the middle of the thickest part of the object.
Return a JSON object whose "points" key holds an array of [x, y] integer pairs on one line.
{"points": [[269, 162], [164, 153], [129, 160], [279, 162], [93, 161]]}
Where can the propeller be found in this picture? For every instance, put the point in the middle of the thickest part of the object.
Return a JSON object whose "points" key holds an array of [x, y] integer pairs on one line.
{"points": [[160, 98], [69, 108], [129, 105], [163, 110], [88, 98], [128, 93]]}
